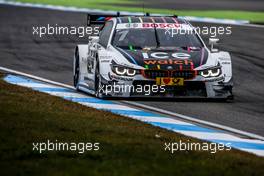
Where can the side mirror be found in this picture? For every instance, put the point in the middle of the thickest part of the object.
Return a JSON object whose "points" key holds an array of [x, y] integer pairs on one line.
{"points": [[94, 38], [212, 42]]}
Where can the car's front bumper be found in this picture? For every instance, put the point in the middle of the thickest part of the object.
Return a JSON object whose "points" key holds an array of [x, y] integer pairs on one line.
{"points": [[141, 87]]}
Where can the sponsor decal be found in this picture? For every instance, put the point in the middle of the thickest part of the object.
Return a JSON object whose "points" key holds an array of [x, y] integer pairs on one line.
{"points": [[164, 55], [161, 25], [105, 57], [153, 25], [168, 62], [163, 58], [105, 61], [170, 81], [226, 63], [131, 25]]}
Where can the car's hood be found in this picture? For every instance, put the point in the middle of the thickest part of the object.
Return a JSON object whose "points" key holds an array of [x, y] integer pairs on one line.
{"points": [[164, 58]]}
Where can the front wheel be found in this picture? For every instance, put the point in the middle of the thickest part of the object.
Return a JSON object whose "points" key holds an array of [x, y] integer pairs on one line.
{"points": [[77, 70], [97, 82]]}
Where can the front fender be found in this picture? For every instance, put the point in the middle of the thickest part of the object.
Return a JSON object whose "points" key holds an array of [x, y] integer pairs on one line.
{"points": [[82, 52], [224, 59]]}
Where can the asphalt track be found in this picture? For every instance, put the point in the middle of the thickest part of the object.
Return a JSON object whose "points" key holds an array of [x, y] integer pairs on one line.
{"points": [[51, 57]]}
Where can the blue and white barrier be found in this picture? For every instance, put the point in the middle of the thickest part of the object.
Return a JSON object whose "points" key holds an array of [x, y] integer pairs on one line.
{"points": [[185, 128]]}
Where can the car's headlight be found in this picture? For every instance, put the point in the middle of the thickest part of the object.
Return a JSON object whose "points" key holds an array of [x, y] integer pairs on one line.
{"points": [[212, 72], [120, 70], [124, 71]]}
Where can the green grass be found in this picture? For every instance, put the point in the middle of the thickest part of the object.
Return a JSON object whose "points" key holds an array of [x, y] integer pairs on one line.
{"points": [[127, 147], [111, 5]]}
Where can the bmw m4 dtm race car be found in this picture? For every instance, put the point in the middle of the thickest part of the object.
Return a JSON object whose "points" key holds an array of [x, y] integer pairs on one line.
{"points": [[150, 56]]}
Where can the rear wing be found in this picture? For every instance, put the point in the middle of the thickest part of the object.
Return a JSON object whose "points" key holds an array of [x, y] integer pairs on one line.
{"points": [[100, 19]]}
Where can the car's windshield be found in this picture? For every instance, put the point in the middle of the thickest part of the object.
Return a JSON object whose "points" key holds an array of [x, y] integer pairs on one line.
{"points": [[142, 38]]}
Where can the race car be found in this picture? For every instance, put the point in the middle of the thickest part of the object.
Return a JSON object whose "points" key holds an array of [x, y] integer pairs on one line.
{"points": [[150, 56]]}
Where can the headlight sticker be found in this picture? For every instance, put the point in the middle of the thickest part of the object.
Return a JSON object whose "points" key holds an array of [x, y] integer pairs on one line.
{"points": [[124, 71], [211, 72]]}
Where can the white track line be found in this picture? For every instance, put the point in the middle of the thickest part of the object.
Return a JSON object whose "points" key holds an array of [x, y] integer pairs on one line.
{"points": [[68, 94], [255, 151], [155, 109], [36, 77], [202, 122], [218, 136], [108, 107], [37, 85], [161, 120], [87, 10]]}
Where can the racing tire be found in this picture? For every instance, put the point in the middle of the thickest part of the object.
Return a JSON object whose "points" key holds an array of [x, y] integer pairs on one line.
{"points": [[77, 71], [97, 82]]}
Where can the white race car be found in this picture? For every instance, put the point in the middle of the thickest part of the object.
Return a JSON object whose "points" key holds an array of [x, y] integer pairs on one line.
{"points": [[150, 56]]}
